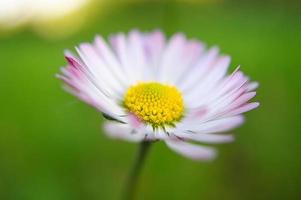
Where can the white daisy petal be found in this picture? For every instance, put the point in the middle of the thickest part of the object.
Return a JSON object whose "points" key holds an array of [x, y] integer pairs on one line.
{"points": [[252, 86], [170, 58], [154, 46], [137, 55], [83, 86], [214, 126], [192, 151], [199, 70], [119, 43], [205, 137], [244, 98], [99, 71], [209, 82], [110, 59], [230, 86], [123, 131], [190, 54], [245, 108]]}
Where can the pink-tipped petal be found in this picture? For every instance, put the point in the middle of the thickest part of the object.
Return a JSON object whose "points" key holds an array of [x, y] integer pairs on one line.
{"points": [[245, 108]]}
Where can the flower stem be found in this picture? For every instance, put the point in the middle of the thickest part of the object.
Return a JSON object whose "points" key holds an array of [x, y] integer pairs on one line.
{"points": [[131, 183]]}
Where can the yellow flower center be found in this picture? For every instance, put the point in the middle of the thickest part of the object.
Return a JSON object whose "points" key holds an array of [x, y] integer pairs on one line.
{"points": [[155, 103]]}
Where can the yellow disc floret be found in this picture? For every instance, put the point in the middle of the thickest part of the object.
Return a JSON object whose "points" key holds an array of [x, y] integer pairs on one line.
{"points": [[155, 103]]}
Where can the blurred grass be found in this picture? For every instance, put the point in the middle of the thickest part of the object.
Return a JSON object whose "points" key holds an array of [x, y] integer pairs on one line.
{"points": [[51, 145]]}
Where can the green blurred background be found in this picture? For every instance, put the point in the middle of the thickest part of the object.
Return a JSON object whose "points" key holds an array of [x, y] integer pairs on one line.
{"points": [[52, 146]]}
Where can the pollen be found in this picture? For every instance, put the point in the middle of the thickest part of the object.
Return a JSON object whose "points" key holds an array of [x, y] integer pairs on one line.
{"points": [[157, 104]]}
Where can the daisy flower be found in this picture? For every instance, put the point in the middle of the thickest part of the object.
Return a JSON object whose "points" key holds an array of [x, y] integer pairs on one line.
{"points": [[152, 88]]}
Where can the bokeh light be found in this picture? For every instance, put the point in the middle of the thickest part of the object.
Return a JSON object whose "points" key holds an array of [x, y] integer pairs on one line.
{"points": [[48, 17]]}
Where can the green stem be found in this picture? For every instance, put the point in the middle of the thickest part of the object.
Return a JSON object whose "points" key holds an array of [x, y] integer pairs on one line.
{"points": [[131, 183]]}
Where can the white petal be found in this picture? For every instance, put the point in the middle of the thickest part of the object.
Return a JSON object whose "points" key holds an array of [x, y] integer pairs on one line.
{"points": [[227, 89], [200, 69], [86, 88], [171, 58], [120, 46], [191, 151], [208, 85], [241, 100], [99, 71], [242, 109], [206, 137], [123, 131], [188, 58], [154, 46], [252, 86], [110, 59], [136, 54], [101, 105], [214, 126]]}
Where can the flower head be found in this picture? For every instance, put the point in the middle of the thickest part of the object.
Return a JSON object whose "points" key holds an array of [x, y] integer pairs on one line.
{"points": [[156, 89]]}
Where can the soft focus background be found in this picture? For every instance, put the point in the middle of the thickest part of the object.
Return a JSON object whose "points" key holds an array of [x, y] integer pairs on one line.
{"points": [[52, 146]]}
